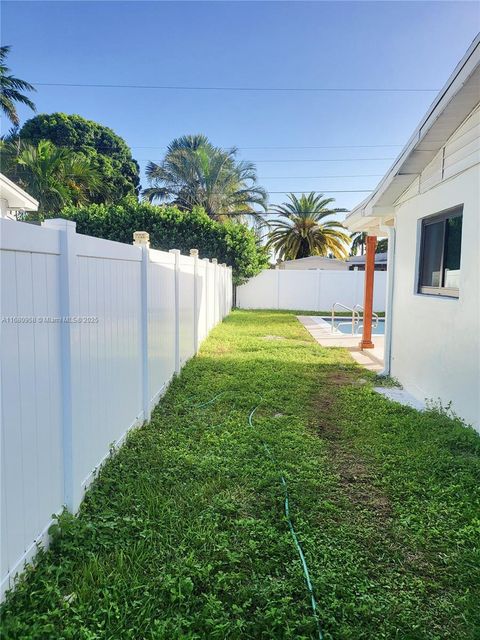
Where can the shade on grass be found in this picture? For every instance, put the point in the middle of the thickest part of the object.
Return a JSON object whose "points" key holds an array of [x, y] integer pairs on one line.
{"points": [[183, 535]]}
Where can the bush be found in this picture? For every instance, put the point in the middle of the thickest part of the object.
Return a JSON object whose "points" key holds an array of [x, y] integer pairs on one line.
{"points": [[169, 228]]}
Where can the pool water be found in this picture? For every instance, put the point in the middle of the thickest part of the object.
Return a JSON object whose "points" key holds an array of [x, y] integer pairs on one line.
{"points": [[346, 326]]}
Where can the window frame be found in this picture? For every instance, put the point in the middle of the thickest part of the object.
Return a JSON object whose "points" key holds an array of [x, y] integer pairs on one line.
{"points": [[443, 216]]}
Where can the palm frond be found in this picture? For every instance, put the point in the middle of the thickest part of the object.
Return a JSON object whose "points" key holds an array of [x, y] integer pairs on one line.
{"points": [[11, 89], [301, 228], [196, 173]]}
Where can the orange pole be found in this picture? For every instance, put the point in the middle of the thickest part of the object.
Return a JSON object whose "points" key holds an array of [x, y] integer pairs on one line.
{"points": [[366, 341]]}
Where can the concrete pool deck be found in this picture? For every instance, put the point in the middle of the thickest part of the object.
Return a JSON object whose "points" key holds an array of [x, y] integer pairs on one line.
{"points": [[371, 359]]}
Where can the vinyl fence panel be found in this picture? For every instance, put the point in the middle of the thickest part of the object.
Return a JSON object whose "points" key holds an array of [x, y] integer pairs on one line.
{"points": [[32, 474], [92, 331], [309, 290], [186, 308], [162, 322], [202, 302]]}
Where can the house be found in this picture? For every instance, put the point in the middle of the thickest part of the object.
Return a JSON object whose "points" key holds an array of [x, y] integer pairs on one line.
{"points": [[332, 264], [358, 262], [428, 205], [14, 199], [315, 262]]}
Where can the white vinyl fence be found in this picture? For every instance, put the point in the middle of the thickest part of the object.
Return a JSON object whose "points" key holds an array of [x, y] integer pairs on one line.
{"points": [[309, 289], [92, 332]]}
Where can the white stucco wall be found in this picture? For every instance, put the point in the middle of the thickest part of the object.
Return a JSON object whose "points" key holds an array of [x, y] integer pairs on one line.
{"points": [[435, 340]]}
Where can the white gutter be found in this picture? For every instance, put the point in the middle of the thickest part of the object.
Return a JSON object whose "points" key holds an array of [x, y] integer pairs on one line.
{"points": [[387, 356]]}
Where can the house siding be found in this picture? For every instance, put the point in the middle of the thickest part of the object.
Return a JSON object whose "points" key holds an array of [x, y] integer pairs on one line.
{"points": [[461, 152]]}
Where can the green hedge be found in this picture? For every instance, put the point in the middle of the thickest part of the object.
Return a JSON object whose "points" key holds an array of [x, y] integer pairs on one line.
{"points": [[169, 228]]}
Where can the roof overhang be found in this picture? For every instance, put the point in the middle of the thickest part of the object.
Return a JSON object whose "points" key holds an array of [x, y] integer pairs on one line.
{"points": [[17, 198], [454, 103]]}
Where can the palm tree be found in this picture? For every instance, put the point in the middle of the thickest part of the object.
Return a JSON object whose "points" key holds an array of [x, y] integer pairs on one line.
{"points": [[196, 173], [359, 239], [54, 176], [301, 230], [11, 88]]}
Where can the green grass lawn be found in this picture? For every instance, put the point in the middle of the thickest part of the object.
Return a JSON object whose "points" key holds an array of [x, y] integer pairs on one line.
{"points": [[183, 536]]}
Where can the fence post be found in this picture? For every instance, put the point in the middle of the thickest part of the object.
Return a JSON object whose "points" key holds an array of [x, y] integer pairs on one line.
{"points": [[230, 289], [176, 252], [194, 255], [68, 288], [319, 294], [206, 294], [224, 290], [215, 291], [142, 239], [277, 270], [358, 282]]}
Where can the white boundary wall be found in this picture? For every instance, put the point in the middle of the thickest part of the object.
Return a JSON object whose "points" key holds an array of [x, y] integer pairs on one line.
{"points": [[312, 290], [71, 389]]}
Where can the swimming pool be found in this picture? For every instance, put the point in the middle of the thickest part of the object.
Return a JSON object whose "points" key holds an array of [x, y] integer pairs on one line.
{"points": [[344, 325]]}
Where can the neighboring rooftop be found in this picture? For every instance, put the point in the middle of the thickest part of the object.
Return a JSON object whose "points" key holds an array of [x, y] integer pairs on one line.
{"points": [[16, 198], [315, 262], [380, 258]]}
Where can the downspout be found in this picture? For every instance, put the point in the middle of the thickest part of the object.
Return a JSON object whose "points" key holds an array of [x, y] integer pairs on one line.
{"points": [[387, 358]]}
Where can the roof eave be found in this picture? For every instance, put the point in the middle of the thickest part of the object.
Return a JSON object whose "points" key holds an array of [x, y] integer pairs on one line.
{"points": [[17, 198]]}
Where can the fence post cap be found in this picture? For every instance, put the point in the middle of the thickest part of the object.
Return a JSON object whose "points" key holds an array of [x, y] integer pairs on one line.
{"points": [[61, 224], [206, 259], [214, 261], [141, 238], [194, 253], [224, 264], [175, 251]]}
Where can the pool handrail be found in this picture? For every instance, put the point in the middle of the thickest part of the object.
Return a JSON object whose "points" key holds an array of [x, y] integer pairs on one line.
{"points": [[353, 310], [359, 308]]}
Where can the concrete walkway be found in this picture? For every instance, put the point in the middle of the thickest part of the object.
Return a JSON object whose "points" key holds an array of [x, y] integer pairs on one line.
{"points": [[321, 331]]}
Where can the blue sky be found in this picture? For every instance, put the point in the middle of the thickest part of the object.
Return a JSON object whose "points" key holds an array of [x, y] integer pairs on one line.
{"points": [[336, 45]]}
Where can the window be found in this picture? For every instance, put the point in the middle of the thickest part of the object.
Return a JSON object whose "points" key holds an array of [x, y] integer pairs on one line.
{"points": [[441, 245]]}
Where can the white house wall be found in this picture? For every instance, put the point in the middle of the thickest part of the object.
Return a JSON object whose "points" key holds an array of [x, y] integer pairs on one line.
{"points": [[435, 340]]}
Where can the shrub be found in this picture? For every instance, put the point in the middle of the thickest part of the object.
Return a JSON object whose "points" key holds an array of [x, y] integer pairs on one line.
{"points": [[169, 228]]}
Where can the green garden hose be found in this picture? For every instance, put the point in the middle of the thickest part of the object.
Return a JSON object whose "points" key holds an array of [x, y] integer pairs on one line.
{"points": [[296, 541]]}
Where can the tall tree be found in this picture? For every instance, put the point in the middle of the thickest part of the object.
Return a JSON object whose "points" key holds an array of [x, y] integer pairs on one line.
{"points": [[107, 152], [11, 89], [301, 229], [358, 238], [196, 173], [56, 177], [382, 245]]}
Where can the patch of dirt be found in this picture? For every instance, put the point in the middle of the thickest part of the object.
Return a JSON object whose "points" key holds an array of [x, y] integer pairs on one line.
{"points": [[221, 349], [356, 477]]}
